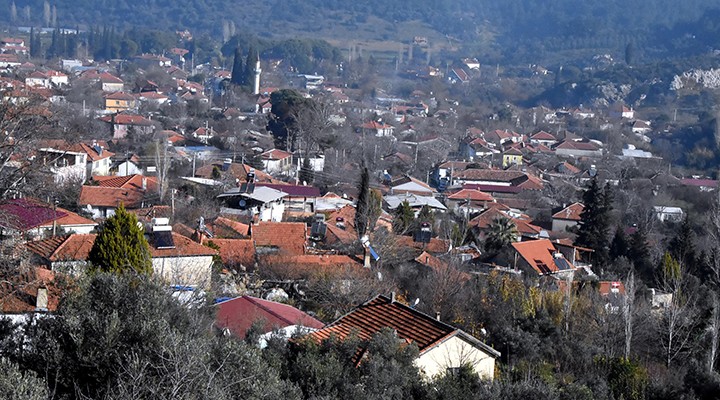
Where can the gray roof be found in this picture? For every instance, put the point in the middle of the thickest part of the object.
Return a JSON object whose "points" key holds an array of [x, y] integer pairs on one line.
{"points": [[262, 194], [394, 201]]}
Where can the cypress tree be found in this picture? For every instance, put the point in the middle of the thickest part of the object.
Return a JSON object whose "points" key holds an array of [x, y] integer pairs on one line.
{"points": [[682, 246], [248, 78], [121, 245], [404, 218], [595, 221], [363, 202], [237, 69]]}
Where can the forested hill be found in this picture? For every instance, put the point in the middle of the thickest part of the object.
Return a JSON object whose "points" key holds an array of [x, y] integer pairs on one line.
{"points": [[550, 23]]}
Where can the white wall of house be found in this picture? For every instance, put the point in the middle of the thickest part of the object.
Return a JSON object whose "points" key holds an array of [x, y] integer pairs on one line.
{"points": [[99, 167], [112, 87], [184, 270], [453, 353], [129, 168], [100, 211], [277, 166], [272, 211], [560, 225]]}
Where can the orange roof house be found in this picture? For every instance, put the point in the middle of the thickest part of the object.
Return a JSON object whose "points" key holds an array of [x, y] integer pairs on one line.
{"points": [[104, 197], [441, 346], [279, 238], [541, 257], [568, 217]]}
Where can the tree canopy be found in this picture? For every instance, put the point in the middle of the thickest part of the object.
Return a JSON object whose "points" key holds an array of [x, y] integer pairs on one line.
{"points": [[121, 246]]}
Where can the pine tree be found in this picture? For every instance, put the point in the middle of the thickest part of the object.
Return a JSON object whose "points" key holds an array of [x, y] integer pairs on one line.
{"points": [[619, 246], [250, 61], [682, 246], [121, 246], [404, 218], [363, 202], [236, 75], [639, 254], [595, 221]]}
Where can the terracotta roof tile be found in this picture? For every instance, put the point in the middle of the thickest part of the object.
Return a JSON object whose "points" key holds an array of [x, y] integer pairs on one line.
{"points": [[312, 265], [236, 252], [287, 238], [184, 247], [369, 318], [571, 212], [539, 254], [434, 246], [471, 194]]}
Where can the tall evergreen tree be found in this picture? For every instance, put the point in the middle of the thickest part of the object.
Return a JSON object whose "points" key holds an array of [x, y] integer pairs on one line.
{"points": [[404, 218], [619, 246], [682, 245], [236, 75], [250, 61], [593, 228], [121, 246], [363, 202], [639, 254]]}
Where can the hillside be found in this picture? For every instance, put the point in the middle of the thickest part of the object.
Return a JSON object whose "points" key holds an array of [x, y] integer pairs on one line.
{"points": [[513, 28]]}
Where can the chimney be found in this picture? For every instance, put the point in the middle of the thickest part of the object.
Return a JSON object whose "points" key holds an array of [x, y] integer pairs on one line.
{"points": [[366, 258], [437, 315], [392, 297], [144, 183], [41, 301], [226, 164]]}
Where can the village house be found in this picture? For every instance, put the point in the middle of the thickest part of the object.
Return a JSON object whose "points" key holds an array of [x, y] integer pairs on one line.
{"points": [[120, 101], [256, 202], [75, 162], [567, 218], [106, 193], [442, 347], [35, 219], [377, 128], [276, 161]]}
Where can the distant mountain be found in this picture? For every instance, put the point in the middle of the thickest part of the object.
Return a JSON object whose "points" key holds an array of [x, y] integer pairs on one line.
{"points": [[532, 25]]}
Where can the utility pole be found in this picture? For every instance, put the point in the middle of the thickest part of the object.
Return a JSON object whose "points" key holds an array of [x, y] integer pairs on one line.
{"points": [[172, 202], [194, 154]]}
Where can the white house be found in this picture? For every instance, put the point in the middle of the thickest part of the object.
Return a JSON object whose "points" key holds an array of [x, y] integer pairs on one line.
{"points": [[276, 161], [442, 347], [669, 214], [178, 260], [263, 203]]}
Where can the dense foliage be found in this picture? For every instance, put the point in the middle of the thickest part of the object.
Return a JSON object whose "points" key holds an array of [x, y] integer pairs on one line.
{"points": [[518, 26], [121, 245]]}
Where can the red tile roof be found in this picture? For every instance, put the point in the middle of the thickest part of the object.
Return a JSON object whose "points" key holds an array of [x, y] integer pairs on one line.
{"points": [[223, 227], [539, 254], [411, 325], [126, 119], [236, 252], [113, 190], [471, 194], [275, 154], [239, 314], [571, 212], [73, 247], [542, 135], [184, 247], [287, 237], [434, 246]]}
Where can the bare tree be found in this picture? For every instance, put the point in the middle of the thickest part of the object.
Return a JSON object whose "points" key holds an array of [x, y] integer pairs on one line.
{"points": [[162, 163], [678, 320], [628, 309], [714, 333], [313, 125]]}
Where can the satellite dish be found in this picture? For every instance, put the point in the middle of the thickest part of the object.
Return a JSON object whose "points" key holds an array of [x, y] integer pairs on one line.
{"points": [[242, 203]]}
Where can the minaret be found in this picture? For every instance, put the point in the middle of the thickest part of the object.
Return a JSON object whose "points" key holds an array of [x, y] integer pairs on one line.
{"points": [[257, 70]]}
